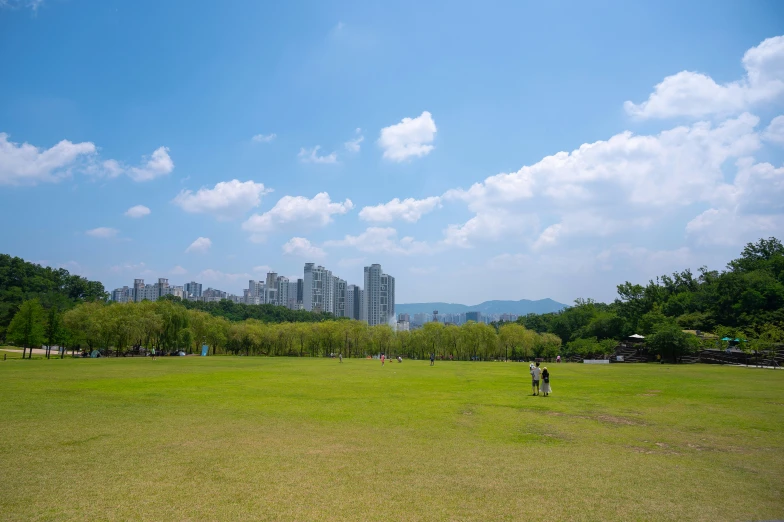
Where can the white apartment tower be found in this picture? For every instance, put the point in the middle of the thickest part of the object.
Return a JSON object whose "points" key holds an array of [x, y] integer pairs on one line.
{"points": [[318, 289], [379, 296]]}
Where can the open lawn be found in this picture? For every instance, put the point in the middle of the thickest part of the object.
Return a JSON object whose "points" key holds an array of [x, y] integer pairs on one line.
{"points": [[239, 438]]}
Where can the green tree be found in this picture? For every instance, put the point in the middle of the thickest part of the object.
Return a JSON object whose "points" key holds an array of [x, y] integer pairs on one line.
{"points": [[27, 326], [670, 342]]}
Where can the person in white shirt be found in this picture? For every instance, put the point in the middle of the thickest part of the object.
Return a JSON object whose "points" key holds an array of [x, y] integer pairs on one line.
{"points": [[535, 374]]}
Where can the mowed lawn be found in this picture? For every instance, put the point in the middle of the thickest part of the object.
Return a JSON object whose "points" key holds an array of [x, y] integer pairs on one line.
{"points": [[243, 438]]}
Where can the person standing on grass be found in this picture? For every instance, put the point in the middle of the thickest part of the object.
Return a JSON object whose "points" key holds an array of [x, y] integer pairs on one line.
{"points": [[432, 358], [546, 382], [340, 356], [153, 354], [382, 359], [535, 374]]}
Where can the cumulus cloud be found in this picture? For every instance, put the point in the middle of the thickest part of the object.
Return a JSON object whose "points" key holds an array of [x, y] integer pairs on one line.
{"points": [[227, 200], [606, 186], [312, 156], [775, 131], [292, 211], [353, 145], [409, 210], [159, 164], [25, 164], [262, 268], [103, 232], [697, 95], [156, 165], [412, 137], [301, 247], [200, 246], [381, 240], [264, 138], [178, 270], [137, 211]]}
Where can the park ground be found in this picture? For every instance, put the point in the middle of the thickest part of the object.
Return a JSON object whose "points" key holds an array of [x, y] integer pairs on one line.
{"points": [[254, 438]]}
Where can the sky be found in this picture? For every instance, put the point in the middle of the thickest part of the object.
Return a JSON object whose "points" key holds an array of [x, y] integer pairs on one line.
{"points": [[501, 150]]}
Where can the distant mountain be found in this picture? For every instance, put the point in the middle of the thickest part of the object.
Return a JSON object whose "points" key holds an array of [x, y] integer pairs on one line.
{"points": [[521, 307]]}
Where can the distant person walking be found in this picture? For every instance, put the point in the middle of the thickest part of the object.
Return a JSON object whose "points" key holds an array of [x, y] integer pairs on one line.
{"points": [[399, 359], [340, 356], [382, 359], [546, 382], [535, 374], [558, 359], [432, 358], [152, 352]]}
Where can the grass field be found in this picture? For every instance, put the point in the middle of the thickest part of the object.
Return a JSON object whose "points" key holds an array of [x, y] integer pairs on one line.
{"points": [[237, 438]]}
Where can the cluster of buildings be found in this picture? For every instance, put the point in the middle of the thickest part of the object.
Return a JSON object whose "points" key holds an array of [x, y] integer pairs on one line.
{"points": [[417, 320], [318, 291]]}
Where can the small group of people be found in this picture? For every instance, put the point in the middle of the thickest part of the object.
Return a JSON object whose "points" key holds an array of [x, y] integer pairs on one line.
{"points": [[537, 375]]}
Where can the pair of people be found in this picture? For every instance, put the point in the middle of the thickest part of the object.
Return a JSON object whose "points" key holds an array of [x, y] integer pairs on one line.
{"points": [[540, 374]]}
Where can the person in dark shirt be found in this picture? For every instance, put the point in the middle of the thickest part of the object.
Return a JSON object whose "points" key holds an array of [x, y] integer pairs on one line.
{"points": [[432, 358], [546, 382]]}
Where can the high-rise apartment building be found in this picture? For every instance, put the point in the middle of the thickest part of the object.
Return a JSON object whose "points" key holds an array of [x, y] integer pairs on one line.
{"points": [[122, 295], [473, 316], [404, 317], [192, 289], [318, 289], [379, 298], [354, 302], [339, 297]]}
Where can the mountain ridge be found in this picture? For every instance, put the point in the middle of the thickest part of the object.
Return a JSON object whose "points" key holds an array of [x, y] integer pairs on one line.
{"points": [[521, 307]]}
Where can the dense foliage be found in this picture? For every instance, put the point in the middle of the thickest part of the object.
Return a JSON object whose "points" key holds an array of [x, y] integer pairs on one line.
{"points": [[266, 313], [21, 281], [746, 300]]}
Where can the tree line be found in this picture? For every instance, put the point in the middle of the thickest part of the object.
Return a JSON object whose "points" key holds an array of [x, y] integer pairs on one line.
{"points": [[745, 301], [170, 327]]}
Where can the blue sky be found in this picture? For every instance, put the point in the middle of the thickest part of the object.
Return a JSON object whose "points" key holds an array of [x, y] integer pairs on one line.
{"points": [[505, 150]]}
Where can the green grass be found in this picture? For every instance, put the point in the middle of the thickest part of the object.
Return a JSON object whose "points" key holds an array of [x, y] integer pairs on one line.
{"points": [[237, 438]]}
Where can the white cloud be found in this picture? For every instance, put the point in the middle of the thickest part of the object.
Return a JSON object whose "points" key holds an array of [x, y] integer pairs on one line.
{"points": [[178, 270], [312, 156], [381, 240], [159, 164], [549, 236], [25, 164], [607, 186], [228, 199], [264, 138], [263, 269], [301, 247], [137, 211], [200, 246], [412, 137], [775, 131], [296, 211], [103, 232], [698, 95], [409, 210], [353, 145]]}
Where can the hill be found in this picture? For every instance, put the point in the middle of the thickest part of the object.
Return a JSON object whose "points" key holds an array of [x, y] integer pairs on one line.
{"points": [[521, 307]]}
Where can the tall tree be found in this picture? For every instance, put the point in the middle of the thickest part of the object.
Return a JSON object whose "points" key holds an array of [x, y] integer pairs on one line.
{"points": [[27, 326]]}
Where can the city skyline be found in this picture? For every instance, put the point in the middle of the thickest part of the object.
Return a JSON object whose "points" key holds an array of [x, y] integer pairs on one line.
{"points": [[318, 290], [559, 151]]}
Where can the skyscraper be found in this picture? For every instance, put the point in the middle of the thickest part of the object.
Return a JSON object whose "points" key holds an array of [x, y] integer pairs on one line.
{"points": [[379, 298], [339, 297], [318, 289]]}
